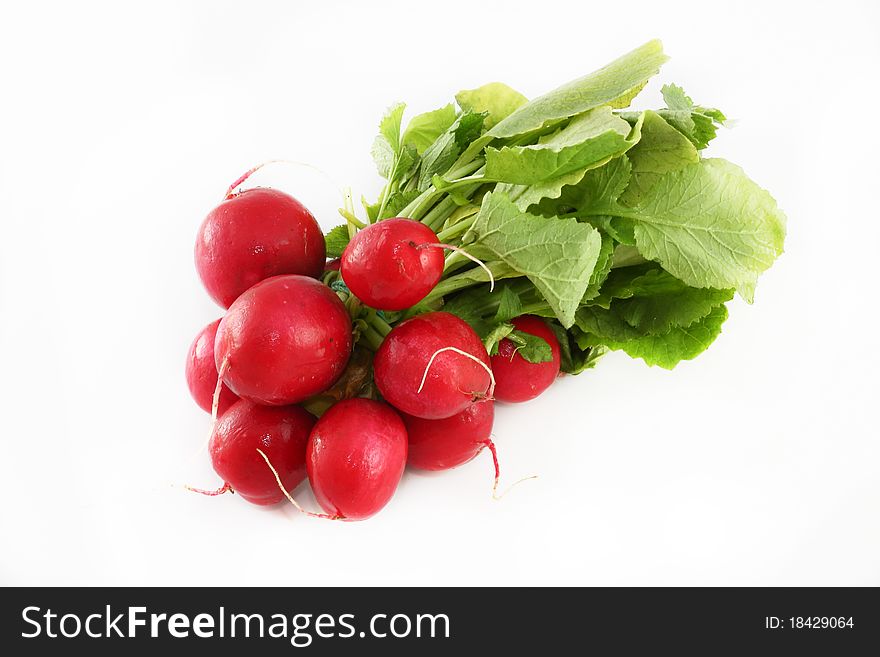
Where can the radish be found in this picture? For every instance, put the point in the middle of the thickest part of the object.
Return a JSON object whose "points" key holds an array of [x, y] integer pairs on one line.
{"points": [[201, 372], [516, 379], [284, 340], [281, 433], [253, 235], [392, 264], [433, 366], [450, 442], [355, 458]]}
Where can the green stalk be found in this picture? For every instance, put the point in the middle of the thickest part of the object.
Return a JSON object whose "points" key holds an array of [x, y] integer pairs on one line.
{"points": [[474, 276], [457, 230], [455, 183], [389, 189], [441, 212], [348, 211], [351, 219], [469, 168], [353, 305], [424, 201], [370, 338], [467, 192], [376, 323], [454, 261]]}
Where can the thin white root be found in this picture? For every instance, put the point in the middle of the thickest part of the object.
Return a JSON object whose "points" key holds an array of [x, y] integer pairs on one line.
{"points": [[489, 392], [495, 496], [225, 488], [215, 402], [458, 249], [325, 516], [230, 192]]}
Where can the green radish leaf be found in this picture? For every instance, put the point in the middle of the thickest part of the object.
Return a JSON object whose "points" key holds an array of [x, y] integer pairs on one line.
{"points": [[613, 85], [494, 336], [667, 349], [661, 302], [590, 140], [707, 223], [525, 196], [710, 225], [424, 129], [622, 283], [386, 146], [650, 300], [607, 85], [607, 325], [336, 240], [533, 348], [442, 154], [573, 359], [469, 306], [649, 314], [509, 304], [602, 269], [662, 149], [557, 255], [495, 99], [698, 124], [595, 194], [621, 229], [626, 98], [590, 358]]}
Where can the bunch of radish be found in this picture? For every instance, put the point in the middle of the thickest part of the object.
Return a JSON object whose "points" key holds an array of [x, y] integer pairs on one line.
{"points": [[513, 239], [304, 380]]}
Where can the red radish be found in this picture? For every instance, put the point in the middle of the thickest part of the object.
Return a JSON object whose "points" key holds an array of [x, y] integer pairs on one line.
{"points": [[280, 432], [433, 366], [452, 441], [201, 372], [392, 264], [253, 235], [447, 443], [516, 379], [355, 458], [284, 340]]}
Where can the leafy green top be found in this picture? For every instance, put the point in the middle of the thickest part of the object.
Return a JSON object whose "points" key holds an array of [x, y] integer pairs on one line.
{"points": [[605, 220]]}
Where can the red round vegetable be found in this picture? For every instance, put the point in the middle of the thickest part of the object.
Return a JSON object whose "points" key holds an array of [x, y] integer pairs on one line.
{"points": [[452, 441], [516, 379], [453, 381], [253, 235], [201, 372], [280, 432], [355, 458], [284, 340], [392, 264]]}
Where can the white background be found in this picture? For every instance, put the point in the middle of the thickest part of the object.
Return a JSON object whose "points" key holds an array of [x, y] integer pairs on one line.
{"points": [[121, 127]]}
